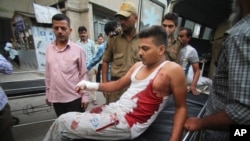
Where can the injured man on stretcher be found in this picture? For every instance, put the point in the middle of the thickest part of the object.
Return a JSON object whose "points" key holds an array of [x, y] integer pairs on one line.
{"points": [[150, 81]]}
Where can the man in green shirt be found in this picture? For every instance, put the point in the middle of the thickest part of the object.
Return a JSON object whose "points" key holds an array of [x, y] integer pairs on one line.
{"points": [[122, 48], [170, 23]]}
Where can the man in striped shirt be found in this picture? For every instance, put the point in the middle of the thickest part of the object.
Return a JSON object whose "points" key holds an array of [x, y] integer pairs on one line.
{"points": [[88, 47]]}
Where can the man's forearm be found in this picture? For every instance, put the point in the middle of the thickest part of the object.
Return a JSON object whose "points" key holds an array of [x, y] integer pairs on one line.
{"points": [[178, 125], [217, 121], [104, 71], [195, 78]]}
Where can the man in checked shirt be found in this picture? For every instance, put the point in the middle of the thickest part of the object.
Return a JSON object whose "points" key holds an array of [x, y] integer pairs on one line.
{"points": [[229, 101]]}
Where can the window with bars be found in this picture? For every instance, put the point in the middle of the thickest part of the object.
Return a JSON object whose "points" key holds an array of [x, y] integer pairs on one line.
{"points": [[98, 28]]}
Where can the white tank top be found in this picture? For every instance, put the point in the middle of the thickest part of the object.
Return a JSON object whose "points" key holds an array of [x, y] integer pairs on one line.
{"points": [[139, 106]]}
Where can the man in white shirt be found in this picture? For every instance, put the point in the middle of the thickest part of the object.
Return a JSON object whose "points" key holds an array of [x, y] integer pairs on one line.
{"points": [[189, 57]]}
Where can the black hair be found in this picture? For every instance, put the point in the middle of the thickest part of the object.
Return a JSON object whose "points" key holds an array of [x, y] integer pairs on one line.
{"points": [[100, 35], [60, 17], [82, 28], [189, 31], [110, 26], [158, 33], [171, 16]]}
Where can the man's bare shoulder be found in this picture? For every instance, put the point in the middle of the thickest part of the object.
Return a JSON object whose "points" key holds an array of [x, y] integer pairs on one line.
{"points": [[168, 76], [171, 66], [172, 70], [137, 64]]}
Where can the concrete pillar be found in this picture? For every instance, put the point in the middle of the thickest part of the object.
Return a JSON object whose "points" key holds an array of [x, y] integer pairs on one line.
{"points": [[79, 13]]}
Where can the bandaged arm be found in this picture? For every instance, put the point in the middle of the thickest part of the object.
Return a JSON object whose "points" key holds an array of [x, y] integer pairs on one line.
{"points": [[87, 85]]}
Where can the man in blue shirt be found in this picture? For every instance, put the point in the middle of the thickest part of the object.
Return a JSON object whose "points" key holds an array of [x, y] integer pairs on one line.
{"points": [[110, 29], [5, 114]]}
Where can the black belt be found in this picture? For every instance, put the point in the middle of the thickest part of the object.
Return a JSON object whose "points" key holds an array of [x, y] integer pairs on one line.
{"points": [[114, 78]]}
